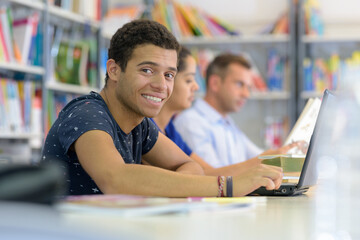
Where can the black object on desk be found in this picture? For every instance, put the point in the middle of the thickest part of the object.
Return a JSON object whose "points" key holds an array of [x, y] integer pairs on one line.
{"points": [[29, 183]]}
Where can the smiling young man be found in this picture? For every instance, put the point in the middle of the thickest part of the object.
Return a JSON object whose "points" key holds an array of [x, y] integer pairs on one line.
{"points": [[101, 138]]}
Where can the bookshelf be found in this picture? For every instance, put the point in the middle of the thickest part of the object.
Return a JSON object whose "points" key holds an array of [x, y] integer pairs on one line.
{"points": [[327, 49], [39, 73]]}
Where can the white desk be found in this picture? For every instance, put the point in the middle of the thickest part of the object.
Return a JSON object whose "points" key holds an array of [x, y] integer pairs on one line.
{"points": [[268, 218], [311, 216]]}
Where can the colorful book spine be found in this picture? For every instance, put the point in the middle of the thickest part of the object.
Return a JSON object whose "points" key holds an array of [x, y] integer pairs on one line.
{"points": [[4, 55], [275, 71], [185, 21], [314, 24], [16, 99], [7, 32], [88, 8], [320, 73]]}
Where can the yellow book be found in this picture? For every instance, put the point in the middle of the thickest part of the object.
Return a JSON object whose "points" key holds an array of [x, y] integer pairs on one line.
{"points": [[190, 19]]}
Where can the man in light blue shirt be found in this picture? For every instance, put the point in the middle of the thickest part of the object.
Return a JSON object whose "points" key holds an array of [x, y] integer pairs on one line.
{"points": [[206, 126], [213, 137]]}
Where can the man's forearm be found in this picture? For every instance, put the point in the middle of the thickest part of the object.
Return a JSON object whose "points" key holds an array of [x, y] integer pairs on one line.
{"points": [[235, 169], [190, 168], [153, 181]]}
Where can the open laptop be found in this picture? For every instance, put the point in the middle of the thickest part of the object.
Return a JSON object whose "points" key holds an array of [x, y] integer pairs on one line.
{"points": [[308, 176]]}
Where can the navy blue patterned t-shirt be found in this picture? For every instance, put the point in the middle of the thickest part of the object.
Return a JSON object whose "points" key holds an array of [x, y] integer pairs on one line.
{"points": [[88, 113]]}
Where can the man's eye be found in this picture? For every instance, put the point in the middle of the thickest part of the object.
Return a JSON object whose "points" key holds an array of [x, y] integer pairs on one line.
{"points": [[146, 70], [170, 75]]}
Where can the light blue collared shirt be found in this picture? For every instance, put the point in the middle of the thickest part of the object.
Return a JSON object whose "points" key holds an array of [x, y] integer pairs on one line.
{"points": [[214, 138]]}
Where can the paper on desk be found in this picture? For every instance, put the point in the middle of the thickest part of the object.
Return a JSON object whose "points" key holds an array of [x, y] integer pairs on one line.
{"points": [[127, 206]]}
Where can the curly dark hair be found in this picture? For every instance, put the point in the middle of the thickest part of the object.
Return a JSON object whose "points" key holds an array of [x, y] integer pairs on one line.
{"points": [[135, 33], [183, 54], [220, 64]]}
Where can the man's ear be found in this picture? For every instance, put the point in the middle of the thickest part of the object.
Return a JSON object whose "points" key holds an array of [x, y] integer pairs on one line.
{"points": [[112, 69], [214, 83]]}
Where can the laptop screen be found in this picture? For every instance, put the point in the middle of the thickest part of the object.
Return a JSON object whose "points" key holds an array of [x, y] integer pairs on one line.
{"points": [[309, 172]]}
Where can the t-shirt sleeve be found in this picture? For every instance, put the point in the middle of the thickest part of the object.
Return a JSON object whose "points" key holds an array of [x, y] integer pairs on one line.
{"points": [[80, 119], [150, 135]]}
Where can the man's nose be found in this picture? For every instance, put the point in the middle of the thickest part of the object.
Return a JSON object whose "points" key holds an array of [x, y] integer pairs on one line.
{"points": [[159, 82]]}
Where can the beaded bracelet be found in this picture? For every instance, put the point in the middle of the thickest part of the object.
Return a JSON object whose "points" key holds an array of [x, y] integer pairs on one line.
{"points": [[229, 186], [221, 182]]}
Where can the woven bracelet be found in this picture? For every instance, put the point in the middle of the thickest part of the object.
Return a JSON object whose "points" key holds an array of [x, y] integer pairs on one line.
{"points": [[221, 182]]}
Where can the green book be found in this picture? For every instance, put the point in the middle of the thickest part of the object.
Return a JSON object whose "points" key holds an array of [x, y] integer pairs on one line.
{"points": [[289, 163]]}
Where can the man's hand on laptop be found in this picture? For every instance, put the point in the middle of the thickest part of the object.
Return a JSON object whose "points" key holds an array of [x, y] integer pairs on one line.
{"points": [[259, 176]]}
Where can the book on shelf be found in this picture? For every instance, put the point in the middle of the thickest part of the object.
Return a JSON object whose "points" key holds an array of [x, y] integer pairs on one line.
{"points": [[71, 65], [117, 16], [326, 73], [17, 107], [304, 125], [280, 26], [185, 31], [276, 67], [314, 23], [4, 54], [185, 21], [6, 27], [74, 59], [172, 18], [3, 107], [20, 39], [88, 8], [25, 31]]}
